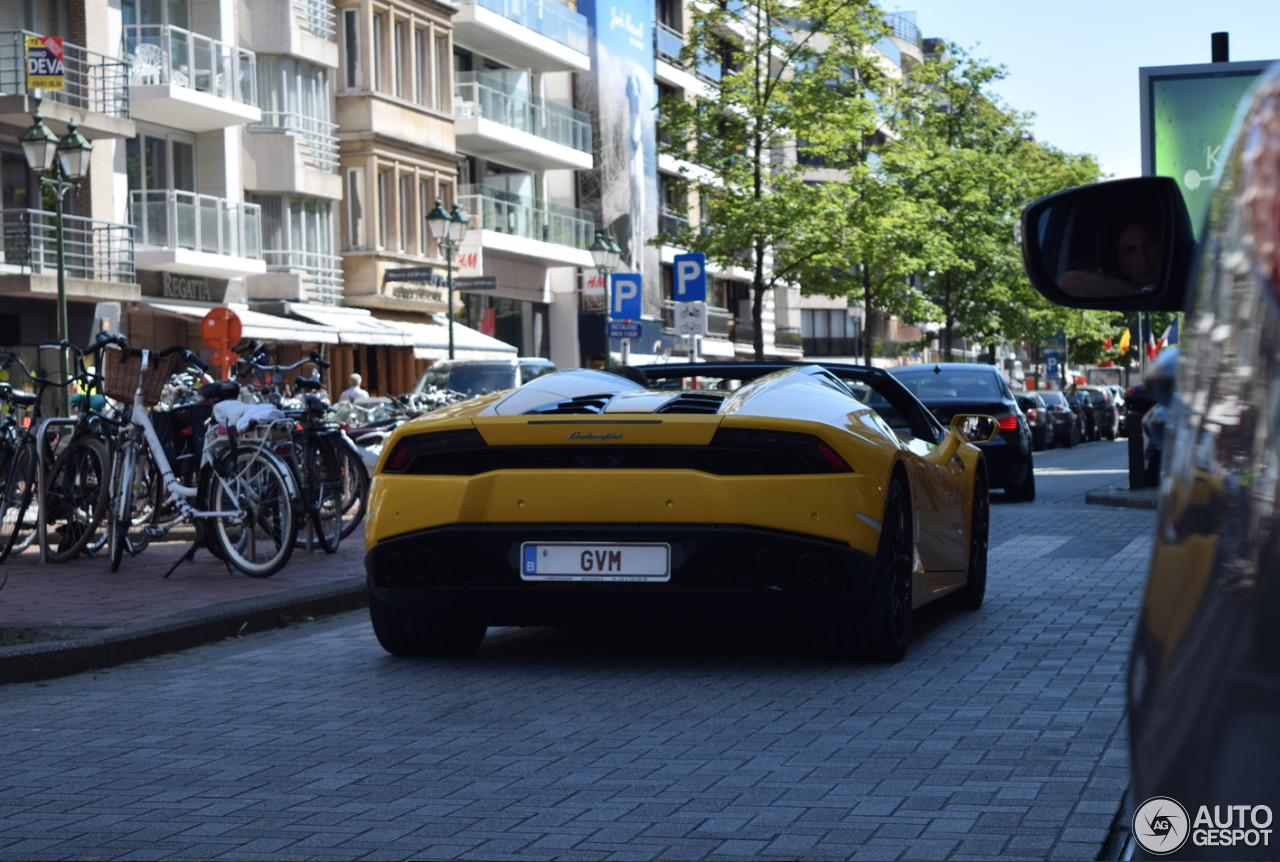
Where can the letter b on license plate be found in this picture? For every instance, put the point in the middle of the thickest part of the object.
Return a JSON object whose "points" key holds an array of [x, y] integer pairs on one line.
{"points": [[572, 561]]}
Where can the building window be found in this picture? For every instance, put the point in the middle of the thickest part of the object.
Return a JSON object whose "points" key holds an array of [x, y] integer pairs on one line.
{"points": [[356, 237], [379, 50], [444, 74], [406, 212], [351, 48], [384, 206], [399, 59], [426, 202]]}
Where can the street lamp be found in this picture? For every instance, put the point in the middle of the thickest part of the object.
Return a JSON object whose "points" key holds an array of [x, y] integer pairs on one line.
{"points": [[606, 255], [448, 229], [61, 175]]}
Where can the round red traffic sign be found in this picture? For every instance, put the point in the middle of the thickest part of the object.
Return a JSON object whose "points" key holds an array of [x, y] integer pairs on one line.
{"points": [[221, 329]]}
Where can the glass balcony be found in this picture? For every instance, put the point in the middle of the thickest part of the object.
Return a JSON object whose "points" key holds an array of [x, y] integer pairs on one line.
{"points": [[176, 219], [667, 43], [545, 17], [161, 54], [478, 94], [521, 216], [94, 250], [322, 271], [319, 138], [94, 82]]}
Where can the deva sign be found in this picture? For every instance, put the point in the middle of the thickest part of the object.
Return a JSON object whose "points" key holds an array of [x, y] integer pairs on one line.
{"points": [[45, 67]]}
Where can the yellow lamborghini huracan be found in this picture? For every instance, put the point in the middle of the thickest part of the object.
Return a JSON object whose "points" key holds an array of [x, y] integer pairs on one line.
{"points": [[764, 493]]}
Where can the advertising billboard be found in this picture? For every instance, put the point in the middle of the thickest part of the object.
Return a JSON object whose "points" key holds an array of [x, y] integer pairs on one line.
{"points": [[621, 94], [1187, 113]]}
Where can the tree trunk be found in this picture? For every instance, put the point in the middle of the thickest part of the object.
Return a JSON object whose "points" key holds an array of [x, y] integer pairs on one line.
{"points": [[868, 345]]}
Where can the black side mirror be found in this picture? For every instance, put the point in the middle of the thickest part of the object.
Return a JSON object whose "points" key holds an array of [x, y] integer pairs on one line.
{"points": [[1123, 245]]}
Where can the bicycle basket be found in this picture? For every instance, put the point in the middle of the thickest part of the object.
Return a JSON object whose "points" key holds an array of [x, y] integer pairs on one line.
{"points": [[120, 375]]}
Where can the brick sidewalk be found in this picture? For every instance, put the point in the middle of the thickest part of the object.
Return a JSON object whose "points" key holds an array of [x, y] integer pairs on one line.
{"points": [[85, 592]]}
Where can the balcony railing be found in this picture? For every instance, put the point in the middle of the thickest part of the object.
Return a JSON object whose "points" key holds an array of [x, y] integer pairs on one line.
{"points": [[94, 82], [904, 27], [521, 216], [718, 319], [545, 17], [323, 271], [319, 138], [316, 16], [667, 43], [476, 94], [161, 54], [176, 219], [95, 250]]}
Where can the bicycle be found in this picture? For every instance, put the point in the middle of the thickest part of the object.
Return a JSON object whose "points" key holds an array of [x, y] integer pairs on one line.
{"points": [[243, 495], [313, 456], [22, 482], [14, 458]]}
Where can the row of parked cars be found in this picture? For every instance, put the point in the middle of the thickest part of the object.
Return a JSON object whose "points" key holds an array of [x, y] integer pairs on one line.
{"points": [[1068, 417]]}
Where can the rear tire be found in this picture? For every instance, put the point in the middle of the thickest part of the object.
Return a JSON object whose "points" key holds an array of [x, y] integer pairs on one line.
{"points": [[355, 484], [416, 632], [1025, 491], [886, 623], [76, 497], [15, 500], [325, 477], [260, 541]]}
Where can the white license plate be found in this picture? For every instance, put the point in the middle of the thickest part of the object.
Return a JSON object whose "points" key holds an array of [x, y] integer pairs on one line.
{"points": [[572, 561]]}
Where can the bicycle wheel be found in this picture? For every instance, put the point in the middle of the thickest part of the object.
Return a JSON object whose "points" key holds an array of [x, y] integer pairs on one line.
{"points": [[355, 484], [130, 503], [15, 501], [324, 477], [258, 540], [75, 499]]}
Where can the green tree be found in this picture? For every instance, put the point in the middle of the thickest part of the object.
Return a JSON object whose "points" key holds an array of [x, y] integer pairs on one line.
{"points": [[791, 69], [960, 148]]}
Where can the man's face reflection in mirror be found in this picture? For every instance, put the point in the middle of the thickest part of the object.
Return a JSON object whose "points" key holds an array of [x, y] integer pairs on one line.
{"points": [[1140, 251]]}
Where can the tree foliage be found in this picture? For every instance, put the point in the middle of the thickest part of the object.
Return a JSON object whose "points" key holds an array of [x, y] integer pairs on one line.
{"points": [[816, 164]]}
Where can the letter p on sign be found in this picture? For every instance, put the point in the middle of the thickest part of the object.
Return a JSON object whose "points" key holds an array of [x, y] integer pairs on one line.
{"points": [[626, 303], [690, 271]]}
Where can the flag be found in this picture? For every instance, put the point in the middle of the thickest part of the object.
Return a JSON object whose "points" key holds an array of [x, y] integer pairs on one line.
{"points": [[1124, 342], [1106, 343], [1170, 334], [1151, 345]]}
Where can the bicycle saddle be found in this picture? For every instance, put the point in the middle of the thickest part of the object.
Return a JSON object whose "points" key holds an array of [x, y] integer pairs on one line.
{"points": [[220, 390]]}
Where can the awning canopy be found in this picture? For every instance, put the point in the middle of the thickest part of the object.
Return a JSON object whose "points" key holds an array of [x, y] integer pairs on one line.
{"points": [[255, 324], [354, 325], [431, 341]]}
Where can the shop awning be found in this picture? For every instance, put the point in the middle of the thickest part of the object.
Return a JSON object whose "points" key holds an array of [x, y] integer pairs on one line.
{"points": [[431, 341], [256, 325], [354, 325]]}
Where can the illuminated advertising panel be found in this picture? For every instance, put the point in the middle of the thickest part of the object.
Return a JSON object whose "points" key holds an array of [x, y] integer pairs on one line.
{"points": [[1187, 115]]}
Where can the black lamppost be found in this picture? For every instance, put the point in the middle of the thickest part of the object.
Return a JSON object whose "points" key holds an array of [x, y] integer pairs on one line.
{"points": [[606, 255], [61, 175], [448, 229]]}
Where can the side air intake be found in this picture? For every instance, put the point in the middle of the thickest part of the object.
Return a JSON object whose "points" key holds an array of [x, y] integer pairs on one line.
{"points": [[694, 402]]}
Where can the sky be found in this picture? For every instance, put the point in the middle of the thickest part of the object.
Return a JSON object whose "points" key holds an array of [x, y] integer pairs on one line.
{"points": [[1075, 64]]}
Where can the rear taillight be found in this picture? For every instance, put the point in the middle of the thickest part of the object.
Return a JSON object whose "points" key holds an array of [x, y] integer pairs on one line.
{"points": [[783, 451], [1008, 423], [411, 454], [1031, 414]]}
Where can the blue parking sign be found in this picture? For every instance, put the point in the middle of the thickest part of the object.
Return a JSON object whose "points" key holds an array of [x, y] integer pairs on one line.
{"points": [[625, 304], [689, 273]]}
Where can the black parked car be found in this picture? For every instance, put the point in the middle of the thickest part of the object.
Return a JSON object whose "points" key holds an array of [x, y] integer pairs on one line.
{"points": [[948, 388], [1106, 417], [1204, 671], [1039, 418], [1083, 408], [1067, 429]]}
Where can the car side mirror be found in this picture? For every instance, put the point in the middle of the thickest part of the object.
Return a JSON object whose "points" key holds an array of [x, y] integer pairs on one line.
{"points": [[1123, 245]]}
